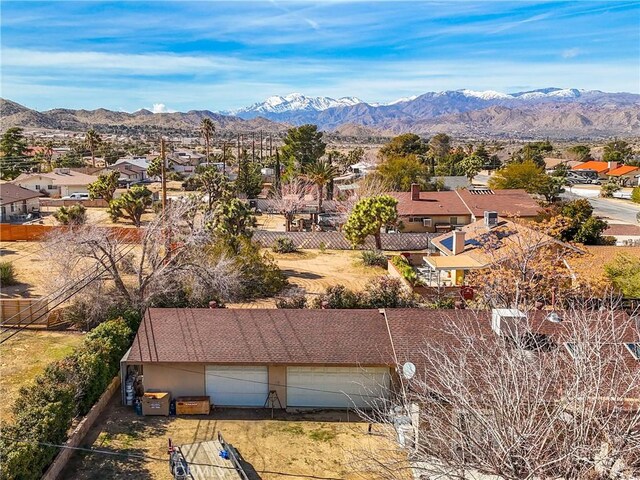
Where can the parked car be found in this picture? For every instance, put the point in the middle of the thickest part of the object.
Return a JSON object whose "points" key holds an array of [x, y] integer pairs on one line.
{"points": [[77, 196]]}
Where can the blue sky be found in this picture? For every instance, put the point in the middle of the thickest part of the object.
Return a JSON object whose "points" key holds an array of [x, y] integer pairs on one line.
{"points": [[222, 55]]}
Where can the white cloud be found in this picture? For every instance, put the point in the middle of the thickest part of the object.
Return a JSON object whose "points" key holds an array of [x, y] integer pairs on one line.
{"points": [[570, 53], [161, 108]]}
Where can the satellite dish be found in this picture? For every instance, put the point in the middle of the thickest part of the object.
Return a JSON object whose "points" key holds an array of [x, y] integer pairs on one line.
{"points": [[408, 370]]}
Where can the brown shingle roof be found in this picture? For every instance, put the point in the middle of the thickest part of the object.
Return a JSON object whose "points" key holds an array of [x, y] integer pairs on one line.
{"points": [[621, 229], [10, 193], [508, 203], [430, 204], [263, 336]]}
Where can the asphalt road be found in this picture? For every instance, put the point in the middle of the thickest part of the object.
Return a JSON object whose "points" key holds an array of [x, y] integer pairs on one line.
{"points": [[612, 210]]}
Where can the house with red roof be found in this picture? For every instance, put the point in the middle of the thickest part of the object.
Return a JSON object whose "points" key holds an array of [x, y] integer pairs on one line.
{"points": [[628, 175], [601, 168]]}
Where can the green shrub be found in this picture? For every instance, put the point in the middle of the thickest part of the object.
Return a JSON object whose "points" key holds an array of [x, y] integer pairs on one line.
{"points": [[322, 247], [374, 258], [389, 292], [283, 245], [338, 296], [293, 302], [635, 195], [73, 215], [7, 274], [406, 270], [44, 410]]}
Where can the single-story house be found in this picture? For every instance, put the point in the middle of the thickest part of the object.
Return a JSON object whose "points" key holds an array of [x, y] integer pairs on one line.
{"points": [[309, 358], [628, 175], [550, 163], [479, 245], [442, 211], [59, 183], [600, 168], [15, 201], [625, 234]]}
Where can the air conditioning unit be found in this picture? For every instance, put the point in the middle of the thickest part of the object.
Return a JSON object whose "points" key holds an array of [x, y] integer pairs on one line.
{"points": [[426, 222], [490, 219]]}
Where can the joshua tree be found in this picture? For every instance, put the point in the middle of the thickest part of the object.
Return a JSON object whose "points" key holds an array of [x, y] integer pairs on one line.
{"points": [[207, 129], [320, 173]]}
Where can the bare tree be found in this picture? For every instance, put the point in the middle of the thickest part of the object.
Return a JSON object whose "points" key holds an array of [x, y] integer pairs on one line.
{"points": [[534, 400], [167, 262], [370, 186], [291, 199]]}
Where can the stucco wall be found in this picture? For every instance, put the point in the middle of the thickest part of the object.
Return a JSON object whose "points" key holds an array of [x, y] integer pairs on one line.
{"points": [[179, 379], [418, 227]]}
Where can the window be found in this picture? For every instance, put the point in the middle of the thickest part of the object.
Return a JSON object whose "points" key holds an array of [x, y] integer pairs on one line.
{"points": [[38, 187], [426, 222], [50, 187], [634, 349], [453, 220]]}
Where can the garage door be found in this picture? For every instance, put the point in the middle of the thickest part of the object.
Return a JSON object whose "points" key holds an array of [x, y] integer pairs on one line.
{"points": [[334, 387], [237, 386]]}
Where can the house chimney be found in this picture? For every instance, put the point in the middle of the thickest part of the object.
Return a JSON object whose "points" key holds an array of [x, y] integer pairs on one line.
{"points": [[612, 165], [415, 192], [458, 242]]}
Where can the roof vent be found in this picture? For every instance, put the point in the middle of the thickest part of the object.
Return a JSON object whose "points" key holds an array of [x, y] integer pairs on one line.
{"points": [[504, 321], [480, 191]]}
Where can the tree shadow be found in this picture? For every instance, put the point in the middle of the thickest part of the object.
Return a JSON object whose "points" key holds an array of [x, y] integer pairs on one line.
{"points": [[305, 275]]}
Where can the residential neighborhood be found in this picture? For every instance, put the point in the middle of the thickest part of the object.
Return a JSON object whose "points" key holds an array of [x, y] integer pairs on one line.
{"points": [[426, 266]]}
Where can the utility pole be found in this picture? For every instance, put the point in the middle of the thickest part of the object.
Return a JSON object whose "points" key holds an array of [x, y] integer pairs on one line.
{"points": [[277, 174], [238, 146], [253, 147], [224, 158], [163, 171], [260, 152], [270, 146]]}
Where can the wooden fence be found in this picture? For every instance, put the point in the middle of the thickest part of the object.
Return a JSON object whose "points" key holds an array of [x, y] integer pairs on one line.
{"points": [[16, 312], [58, 202], [34, 233]]}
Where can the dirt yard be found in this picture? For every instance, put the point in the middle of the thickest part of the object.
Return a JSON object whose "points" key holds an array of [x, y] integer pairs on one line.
{"points": [[29, 267], [325, 446], [26, 355], [314, 271]]}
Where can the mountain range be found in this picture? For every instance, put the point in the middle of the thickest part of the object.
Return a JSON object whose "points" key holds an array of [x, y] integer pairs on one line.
{"points": [[550, 112]]}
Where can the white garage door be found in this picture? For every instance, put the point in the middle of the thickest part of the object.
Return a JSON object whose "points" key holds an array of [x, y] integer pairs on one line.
{"points": [[237, 386], [335, 387]]}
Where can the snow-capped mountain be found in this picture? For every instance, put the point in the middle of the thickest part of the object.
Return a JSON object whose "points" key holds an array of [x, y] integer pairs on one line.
{"points": [[294, 102]]}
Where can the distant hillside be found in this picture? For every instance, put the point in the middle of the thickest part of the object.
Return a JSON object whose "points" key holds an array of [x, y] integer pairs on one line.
{"points": [[550, 112], [14, 114], [553, 112]]}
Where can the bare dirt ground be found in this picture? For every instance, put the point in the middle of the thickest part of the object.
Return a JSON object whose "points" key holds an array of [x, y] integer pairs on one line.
{"points": [[325, 445], [29, 267], [314, 271], [25, 355]]}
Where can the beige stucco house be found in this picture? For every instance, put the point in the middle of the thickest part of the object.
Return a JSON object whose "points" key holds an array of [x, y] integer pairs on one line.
{"points": [[61, 182]]}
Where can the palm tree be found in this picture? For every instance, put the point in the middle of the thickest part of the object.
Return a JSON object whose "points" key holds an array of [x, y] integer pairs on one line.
{"points": [[92, 140], [207, 129], [320, 173]]}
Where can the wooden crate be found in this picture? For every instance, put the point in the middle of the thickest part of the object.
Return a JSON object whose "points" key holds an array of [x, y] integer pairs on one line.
{"points": [[192, 405], [155, 403]]}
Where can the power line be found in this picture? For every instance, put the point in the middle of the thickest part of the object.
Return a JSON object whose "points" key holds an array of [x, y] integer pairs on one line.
{"points": [[62, 301], [158, 459]]}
